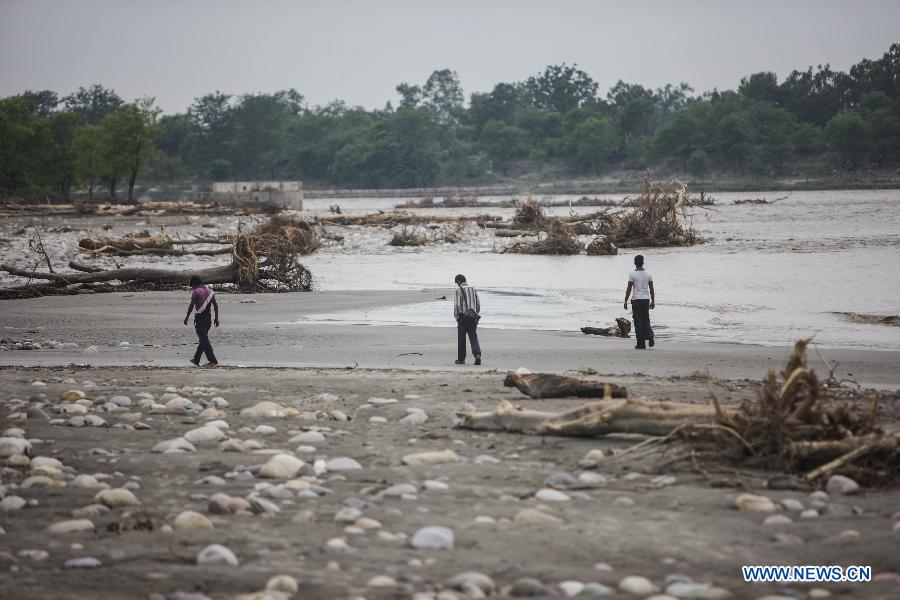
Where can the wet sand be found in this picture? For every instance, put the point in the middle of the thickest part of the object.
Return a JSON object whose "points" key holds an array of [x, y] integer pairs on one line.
{"points": [[250, 335]]}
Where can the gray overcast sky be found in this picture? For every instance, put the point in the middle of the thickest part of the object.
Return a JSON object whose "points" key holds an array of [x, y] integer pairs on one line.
{"points": [[359, 51]]}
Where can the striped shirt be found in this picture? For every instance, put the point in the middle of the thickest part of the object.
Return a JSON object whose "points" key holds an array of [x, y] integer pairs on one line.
{"points": [[466, 298]]}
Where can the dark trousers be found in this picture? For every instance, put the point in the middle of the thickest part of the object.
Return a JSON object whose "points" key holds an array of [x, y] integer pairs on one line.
{"points": [[467, 326], [640, 311], [202, 323]]}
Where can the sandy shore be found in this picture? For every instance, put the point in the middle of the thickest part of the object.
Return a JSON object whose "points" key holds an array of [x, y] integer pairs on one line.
{"points": [[682, 527], [151, 323], [672, 523]]}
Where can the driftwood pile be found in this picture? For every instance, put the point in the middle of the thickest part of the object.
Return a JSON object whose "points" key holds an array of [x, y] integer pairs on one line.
{"points": [[622, 329], [264, 259], [793, 424], [656, 217]]}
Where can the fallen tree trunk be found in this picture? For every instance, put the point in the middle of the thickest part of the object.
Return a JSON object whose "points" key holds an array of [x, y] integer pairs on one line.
{"points": [[223, 274], [591, 420], [548, 385], [793, 424]]}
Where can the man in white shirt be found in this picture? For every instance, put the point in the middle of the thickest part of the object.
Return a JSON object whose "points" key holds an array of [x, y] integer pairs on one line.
{"points": [[642, 300]]}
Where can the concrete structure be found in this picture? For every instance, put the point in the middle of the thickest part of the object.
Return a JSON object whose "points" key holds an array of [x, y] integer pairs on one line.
{"points": [[283, 194]]}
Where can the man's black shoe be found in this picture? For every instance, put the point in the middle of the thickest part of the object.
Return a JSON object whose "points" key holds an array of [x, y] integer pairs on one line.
{"points": [[477, 360], [652, 342], [196, 363], [640, 347], [459, 362]]}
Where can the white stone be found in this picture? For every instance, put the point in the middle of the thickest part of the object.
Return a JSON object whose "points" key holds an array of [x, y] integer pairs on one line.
{"points": [[415, 417], [11, 446], [791, 504], [214, 554], [308, 437], [174, 446], [532, 516], [638, 586], [435, 486], [381, 581], [116, 497], [264, 430], [571, 588], [400, 489], [777, 520], [432, 538], [190, 521], [437, 457], [281, 466], [551, 495], [752, 503], [204, 434], [282, 583], [838, 484], [70, 526], [342, 463], [266, 408]]}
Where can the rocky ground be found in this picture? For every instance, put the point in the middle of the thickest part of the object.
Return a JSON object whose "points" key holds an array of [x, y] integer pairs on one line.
{"points": [[217, 483]]}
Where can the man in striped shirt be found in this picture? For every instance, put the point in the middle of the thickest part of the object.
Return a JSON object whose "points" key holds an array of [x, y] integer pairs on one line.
{"points": [[466, 310]]}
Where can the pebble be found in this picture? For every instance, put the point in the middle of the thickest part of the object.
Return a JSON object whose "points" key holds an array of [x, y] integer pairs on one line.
{"points": [[11, 446], [215, 554], [435, 486], [809, 513], [83, 563], [342, 463], [437, 457], [204, 434], [72, 395], [778, 520], [528, 587], [401, 489], [638, 586], [551, 495], [265, 430], [571, 588], [191, 521], [210, 480], [281, 466], [381, 581], [338, 544], [116, 497], [261, 505], [596, 589], [432, 538], [472, 582], [173, 446], [415, 417], [838, 484], [223, 504], [623, 501], [268, 409], [562, 480], [308, 437], [532, 516], [819, 593], [90, 511], [70, 526], [282, 583], [752, 503], [791, 504], [591, 479]]}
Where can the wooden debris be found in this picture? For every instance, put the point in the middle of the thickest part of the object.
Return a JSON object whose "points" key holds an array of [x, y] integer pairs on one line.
{"points": [[548, 385]]}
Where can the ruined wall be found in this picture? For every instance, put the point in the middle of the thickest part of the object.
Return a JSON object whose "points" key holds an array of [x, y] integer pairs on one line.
{"points": [[284, 194]]}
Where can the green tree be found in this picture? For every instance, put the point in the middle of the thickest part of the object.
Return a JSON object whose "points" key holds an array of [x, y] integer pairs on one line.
{"points": [[595, 142], [562, 88], [93, 103], [846, 134], [128, 134], [503, 143], [698, 164], [88, 150], [443, 94]]}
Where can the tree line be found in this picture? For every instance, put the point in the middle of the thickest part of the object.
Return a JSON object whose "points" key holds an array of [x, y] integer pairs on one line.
{"points": [[555, 120]]}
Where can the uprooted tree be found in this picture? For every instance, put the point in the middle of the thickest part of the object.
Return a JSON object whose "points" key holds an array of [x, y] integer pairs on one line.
{"points": [[263, 260], [659, 216], [793, 423]]}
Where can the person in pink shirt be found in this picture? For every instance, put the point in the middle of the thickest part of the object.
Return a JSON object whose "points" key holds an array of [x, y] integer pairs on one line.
{"points": [[202, 298]]}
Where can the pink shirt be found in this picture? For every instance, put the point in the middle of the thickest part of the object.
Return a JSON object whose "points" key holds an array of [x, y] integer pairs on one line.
{"points": [[199, 296]]}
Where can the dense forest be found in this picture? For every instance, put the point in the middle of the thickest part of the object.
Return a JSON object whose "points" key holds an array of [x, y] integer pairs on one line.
{"points": [[554, 122]]}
